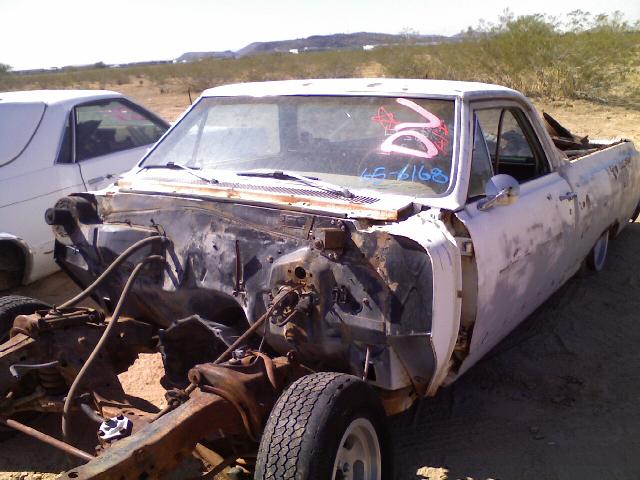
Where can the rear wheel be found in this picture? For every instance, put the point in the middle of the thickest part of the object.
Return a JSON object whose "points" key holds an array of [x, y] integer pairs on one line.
{"points": [[598, 255], [326, 426]]}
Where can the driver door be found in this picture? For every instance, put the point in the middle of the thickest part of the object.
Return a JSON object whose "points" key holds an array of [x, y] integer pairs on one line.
{"points": [[520, 249]]}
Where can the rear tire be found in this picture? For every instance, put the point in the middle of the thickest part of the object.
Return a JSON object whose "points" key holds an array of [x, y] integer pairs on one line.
{"points": [[598, 254], [326, 426]]}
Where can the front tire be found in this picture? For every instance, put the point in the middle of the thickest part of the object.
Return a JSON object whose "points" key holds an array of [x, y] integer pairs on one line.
{"points": [[326, 426], [13, 305]]}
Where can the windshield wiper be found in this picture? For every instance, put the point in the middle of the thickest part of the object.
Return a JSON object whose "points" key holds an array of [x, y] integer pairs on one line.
{"points": [[177, 166], [310, 181]]}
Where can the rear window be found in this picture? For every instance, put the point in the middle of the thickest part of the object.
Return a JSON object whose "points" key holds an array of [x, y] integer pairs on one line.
{"points": [[18, 124]]}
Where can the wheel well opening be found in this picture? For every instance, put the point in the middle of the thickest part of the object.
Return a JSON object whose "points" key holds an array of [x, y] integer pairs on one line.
{"points": [[13, 263], [614, 229]]}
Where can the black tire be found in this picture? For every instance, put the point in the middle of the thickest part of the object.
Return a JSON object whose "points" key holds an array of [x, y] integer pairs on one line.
{"points": [[305, 430], [13, 305], [10, 307]]}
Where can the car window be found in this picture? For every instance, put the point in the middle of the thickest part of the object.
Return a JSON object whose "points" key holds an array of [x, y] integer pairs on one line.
{"points": [[512, 145], [490, 120], [481, 170], [389, 144], [64, 153], [233, 135], [112, 126], [18, 125]]}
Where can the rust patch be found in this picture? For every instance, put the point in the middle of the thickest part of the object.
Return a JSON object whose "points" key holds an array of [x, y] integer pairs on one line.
{"points": [[350, 209]]}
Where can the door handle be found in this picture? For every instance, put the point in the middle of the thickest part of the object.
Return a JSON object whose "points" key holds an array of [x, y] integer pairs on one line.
{"points": [[108, 176], [569, 196], [95, 180]]}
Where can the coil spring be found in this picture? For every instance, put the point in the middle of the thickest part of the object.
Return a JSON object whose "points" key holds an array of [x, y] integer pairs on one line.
{"points": [[52, 381]]}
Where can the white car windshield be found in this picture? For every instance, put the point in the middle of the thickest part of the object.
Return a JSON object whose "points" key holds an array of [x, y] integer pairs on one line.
{"points": [[390, 144]]}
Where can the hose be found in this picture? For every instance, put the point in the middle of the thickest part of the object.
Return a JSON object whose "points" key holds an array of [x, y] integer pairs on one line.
{"points": [[91, 413], [103, 340], [115, 264]]}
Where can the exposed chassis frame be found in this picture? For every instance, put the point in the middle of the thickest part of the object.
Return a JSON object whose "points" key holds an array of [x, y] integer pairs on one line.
{"points": [[224, 403]]}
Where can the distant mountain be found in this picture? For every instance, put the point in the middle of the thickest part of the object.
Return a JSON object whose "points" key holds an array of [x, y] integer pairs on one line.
{"points": [[337, 41], [195, 56]]}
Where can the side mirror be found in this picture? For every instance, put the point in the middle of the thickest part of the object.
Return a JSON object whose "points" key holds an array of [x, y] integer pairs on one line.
{"points": [[500, 190]]}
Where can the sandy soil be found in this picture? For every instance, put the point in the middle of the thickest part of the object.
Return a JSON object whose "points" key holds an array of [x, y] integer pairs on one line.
{"points": [[556, 400]]}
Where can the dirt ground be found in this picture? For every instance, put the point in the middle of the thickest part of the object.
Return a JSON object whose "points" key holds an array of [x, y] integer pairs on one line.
{"points": [[557, 399]]}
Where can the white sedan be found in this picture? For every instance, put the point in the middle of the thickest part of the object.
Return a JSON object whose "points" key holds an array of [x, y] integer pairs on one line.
{"points": [[52, 143]]}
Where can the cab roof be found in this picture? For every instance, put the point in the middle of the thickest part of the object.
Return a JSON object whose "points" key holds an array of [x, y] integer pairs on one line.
{"points": [[52, 97], [363, 86]]}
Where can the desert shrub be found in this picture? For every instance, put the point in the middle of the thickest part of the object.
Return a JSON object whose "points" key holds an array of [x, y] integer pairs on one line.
{"points": [[583, 58]]}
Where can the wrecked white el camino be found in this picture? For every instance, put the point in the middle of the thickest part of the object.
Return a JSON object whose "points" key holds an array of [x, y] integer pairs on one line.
{"points": [[312, 254]]}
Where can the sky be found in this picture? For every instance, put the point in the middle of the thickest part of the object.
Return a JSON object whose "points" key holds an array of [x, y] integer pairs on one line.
{"points": [[55, 33]]}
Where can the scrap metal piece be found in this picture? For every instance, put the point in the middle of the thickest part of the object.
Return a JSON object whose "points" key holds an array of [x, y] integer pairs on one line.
{"points": [[18, 369], [47, 320], [115, 428]]}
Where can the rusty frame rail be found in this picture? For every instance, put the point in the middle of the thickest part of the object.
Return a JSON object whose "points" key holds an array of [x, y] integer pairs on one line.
{"points": [[244, 395]]}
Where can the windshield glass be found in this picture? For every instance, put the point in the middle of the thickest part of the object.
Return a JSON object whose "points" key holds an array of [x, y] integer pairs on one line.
{"points": [[397, 145]]}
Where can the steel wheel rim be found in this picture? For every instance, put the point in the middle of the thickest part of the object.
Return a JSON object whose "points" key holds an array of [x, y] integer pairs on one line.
{"points": [[358, 456], [600, 251]]}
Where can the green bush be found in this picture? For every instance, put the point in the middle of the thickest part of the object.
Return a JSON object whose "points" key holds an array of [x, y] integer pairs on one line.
{"points": [[584, 58]]}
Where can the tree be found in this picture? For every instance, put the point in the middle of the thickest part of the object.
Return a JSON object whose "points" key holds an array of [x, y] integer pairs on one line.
{"points": [[4, 68], [578, 21], [614, 22], [409, 35]]}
